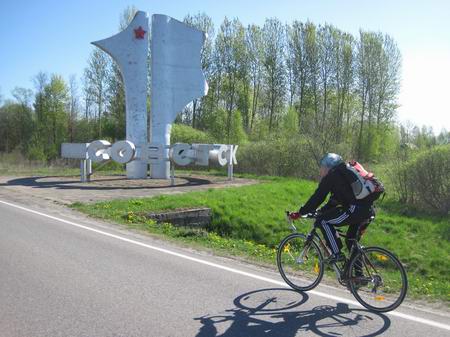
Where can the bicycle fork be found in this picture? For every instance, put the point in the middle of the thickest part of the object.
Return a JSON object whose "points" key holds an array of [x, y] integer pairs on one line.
{"points": [[303, 255]]}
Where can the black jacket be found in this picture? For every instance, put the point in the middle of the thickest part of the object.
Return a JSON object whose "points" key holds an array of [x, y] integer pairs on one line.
{"points": [[337, 182]]}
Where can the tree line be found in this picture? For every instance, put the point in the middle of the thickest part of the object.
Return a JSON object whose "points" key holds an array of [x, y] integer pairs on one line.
{"points": [[265, 82]]}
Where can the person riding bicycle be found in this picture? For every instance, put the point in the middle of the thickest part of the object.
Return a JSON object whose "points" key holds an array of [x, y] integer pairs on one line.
{"points": [[342, 207]]}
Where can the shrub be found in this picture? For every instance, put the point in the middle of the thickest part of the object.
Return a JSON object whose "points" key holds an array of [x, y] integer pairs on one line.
{"points": [[36, 152], [185, 134], [424, 181], [278, 157]]}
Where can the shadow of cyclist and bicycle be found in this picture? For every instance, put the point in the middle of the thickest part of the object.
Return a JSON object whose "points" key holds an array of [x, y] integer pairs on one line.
{"points": [[276, 312]]}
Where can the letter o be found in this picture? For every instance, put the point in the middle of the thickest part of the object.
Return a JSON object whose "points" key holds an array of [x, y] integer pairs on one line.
{"points": [[123, 151]]}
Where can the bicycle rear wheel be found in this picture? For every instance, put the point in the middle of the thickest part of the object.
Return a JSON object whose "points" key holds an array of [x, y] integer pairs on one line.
{"points": [[300, 262], [377, 279]]}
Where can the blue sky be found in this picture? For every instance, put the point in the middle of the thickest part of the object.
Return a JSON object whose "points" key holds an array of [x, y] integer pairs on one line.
{"points": [[54, 36]]}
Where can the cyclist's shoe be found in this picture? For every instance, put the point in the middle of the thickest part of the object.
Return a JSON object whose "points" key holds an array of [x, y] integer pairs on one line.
{"points": [[336, 258]]}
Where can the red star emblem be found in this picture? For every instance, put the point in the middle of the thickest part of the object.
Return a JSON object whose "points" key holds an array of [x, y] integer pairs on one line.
{"points": [[139, 33]]}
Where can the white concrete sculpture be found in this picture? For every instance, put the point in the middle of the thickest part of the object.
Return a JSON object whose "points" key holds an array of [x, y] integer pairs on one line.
{"points": [[177, 79], [129, 49]]}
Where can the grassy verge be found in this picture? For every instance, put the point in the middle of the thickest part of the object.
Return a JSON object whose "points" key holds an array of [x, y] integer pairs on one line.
{"points": [[248, 221]]}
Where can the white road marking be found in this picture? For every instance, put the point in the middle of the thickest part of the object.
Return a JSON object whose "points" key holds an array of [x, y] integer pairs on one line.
{"points": [[232, 270]]}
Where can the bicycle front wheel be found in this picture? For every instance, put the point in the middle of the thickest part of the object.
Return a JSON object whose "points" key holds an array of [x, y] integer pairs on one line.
{"points": [[300, 262], [377, 279]]}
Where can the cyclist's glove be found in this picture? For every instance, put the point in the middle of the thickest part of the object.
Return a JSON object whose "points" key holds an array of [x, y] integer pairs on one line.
{"points": [[294, 215]]}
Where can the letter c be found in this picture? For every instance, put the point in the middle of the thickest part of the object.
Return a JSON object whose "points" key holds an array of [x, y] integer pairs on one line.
{"points": [[97, 150], [180, 154]]}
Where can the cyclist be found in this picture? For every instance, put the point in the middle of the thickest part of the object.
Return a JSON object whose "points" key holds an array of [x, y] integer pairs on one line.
{"points": [[342, 207]]}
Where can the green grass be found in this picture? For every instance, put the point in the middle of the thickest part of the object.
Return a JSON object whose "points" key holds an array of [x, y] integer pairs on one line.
{"points": [[35, 169], [249, 221], [14, 164]]}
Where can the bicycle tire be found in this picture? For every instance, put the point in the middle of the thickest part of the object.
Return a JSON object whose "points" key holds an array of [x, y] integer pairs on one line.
{"points": [[288, 275], [384, 260]]}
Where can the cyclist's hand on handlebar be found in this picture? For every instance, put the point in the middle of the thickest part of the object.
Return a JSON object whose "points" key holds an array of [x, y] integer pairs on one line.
{"points": [[294, 215], [298, 215]]}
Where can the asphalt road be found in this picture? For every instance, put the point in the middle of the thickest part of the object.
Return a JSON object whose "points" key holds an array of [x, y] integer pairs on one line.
{"points": [[76, 277]]}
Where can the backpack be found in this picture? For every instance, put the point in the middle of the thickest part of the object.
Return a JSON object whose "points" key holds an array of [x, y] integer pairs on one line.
{"points": [[365, 185]]}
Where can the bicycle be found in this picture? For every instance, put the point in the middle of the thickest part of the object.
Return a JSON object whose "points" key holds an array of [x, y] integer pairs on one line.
{"points": [[374, 275]]}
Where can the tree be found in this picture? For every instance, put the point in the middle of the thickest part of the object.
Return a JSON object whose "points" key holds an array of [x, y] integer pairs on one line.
{"points": [[230, 45], [326, 70], [388, 81], [73, 107], [253, 39], [297, 40], [291, 64], [24, 115], [344, 80], [378, 65], [312, 63], [204, 23], [116, 104], [15, 126], [443, 137], [365, 78], [274, 68], [96, 77], [40, 81], [50, 106]]}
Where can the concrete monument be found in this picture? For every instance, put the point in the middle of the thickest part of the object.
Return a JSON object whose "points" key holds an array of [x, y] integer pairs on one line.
{"points": [[177, 79]]}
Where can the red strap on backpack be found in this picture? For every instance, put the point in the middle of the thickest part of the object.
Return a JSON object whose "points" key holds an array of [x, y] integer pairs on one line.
{"points": [[365, 174]]}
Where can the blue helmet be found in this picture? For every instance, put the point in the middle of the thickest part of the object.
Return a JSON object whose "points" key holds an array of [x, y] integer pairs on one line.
{"points": [[331, 160]]}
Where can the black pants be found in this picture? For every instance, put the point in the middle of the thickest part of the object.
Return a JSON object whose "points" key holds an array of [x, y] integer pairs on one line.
{"points": [[338, 216]]}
